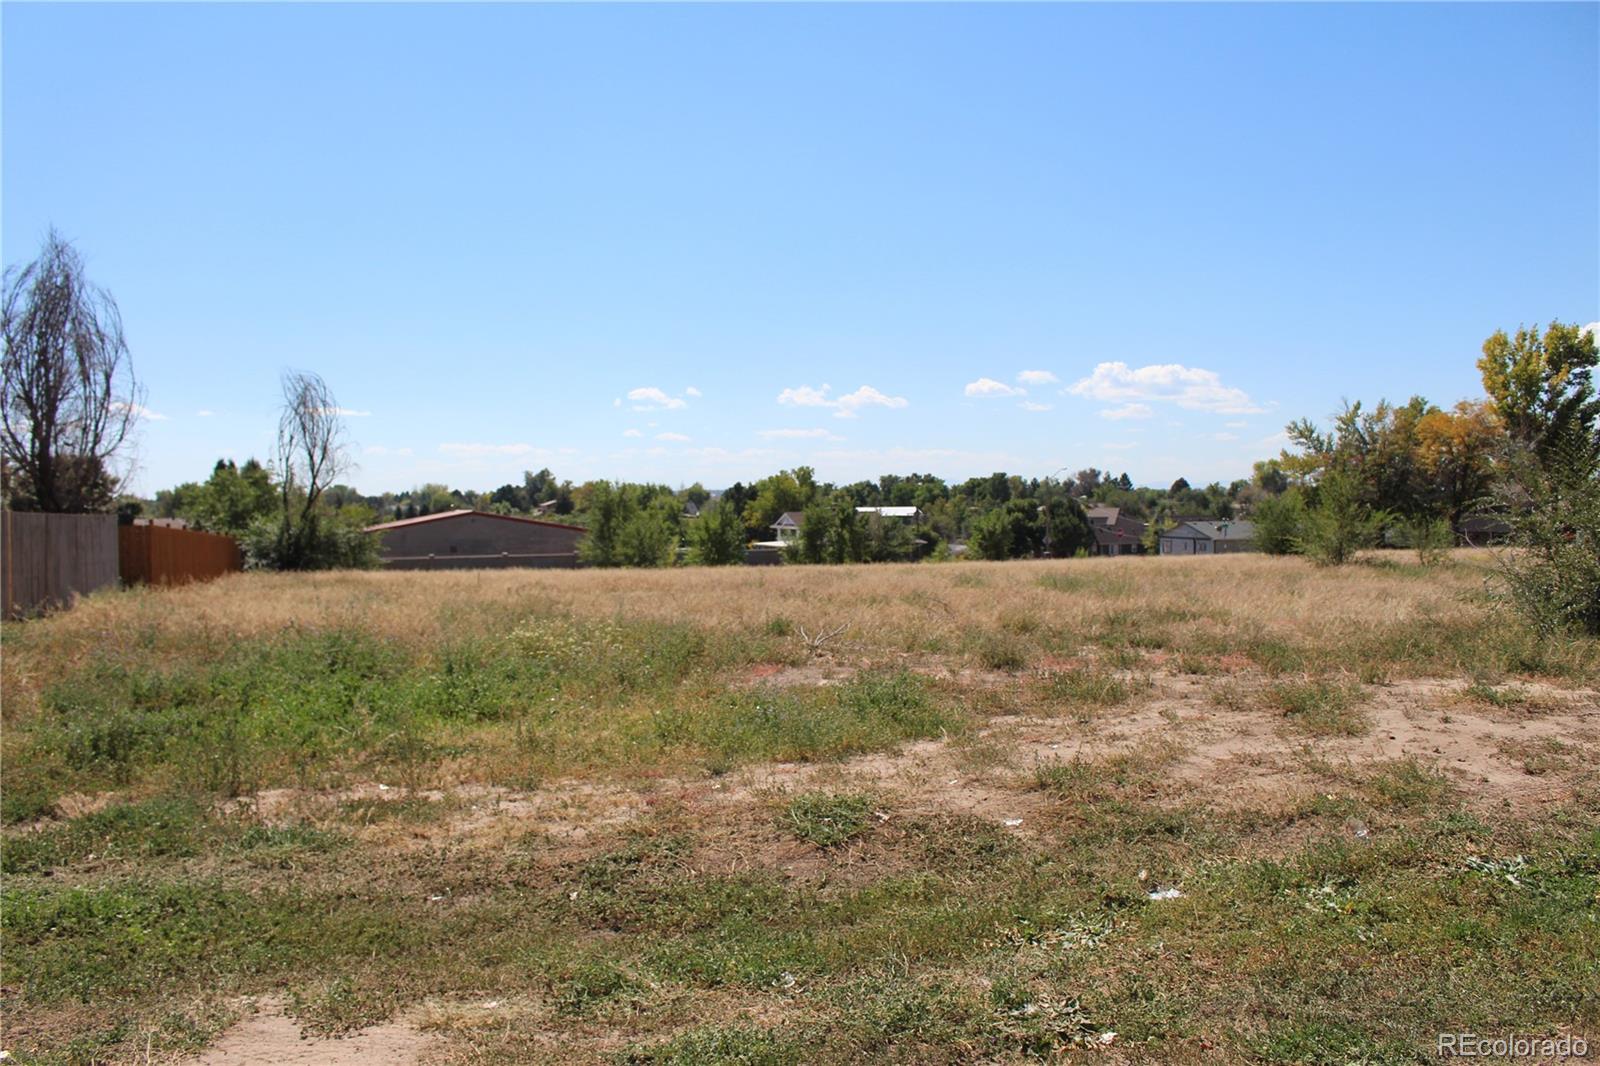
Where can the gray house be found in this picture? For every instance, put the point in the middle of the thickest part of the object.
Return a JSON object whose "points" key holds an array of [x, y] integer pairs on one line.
{"points": [[1209, 537], [461, 540]]}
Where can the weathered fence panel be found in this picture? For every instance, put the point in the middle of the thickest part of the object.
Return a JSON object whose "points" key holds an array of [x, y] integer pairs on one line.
{"points": [[158, 555], [50, 558]]}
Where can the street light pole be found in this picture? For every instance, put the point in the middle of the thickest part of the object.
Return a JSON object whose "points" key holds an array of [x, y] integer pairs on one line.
{"points": [[1049, 529]]}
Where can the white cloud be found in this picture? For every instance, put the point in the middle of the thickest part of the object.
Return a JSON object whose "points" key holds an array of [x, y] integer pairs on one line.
{"points": [[1037, 377], [204, 413], [806, 396], [1236, 425], [844, 406], [139, 410], [380, 449], [631, 433], [867, 396], [798, 434], [1224, 436], [1188, 387], [679, 437], [1593, 329], [650, 398], [984, 388], [1121, 446], [1127, 410], [344, 412], [692, 391], [475, 448], [1029, 405]]}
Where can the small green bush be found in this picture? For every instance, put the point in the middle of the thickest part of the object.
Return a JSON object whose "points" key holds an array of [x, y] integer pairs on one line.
{"points": [[1320, 708], [1340, 524], [1551, 574], [826, 820], [1279, 522], [1431, 538]]}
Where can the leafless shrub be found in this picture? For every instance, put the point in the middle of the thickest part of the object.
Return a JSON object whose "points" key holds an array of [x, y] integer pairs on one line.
{"points": [[814, 642]]}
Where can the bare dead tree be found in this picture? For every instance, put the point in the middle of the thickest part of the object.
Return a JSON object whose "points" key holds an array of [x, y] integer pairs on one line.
{"points": [[310, 454], [70, 401]]}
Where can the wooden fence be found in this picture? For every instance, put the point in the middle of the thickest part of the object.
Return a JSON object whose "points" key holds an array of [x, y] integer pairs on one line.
{"points": [[50, 558], [157, 555]]}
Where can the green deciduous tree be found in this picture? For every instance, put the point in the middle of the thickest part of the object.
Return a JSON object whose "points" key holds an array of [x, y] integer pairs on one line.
{"points": [[651, 535], [771, 497], [231, 499], [1279, 522], [629, 526], [608, 511], [1552, 570], [717, 537], [1011, 531], [1340, 523]]}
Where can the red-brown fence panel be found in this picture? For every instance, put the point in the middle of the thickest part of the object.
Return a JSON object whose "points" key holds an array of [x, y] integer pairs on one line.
{"points": [[158, 555]]}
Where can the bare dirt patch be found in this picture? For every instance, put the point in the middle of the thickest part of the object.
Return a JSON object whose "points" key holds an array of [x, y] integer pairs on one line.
{"points": [[1223, 755], [268, 1037]]}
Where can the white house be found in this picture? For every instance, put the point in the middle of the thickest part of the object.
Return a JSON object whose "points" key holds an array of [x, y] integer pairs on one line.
{"points": [[908, 514]]}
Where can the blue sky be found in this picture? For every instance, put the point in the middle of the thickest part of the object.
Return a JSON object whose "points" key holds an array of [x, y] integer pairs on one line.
{"points": [[703, 242]]}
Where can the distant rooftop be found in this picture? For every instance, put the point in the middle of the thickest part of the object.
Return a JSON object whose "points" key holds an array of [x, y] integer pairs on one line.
{"points": [[1219, 529], [401, 523]]}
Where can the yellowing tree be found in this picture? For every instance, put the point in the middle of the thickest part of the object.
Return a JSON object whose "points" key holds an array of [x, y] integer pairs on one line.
{"points": [[1456, 451], [1542, 386]]}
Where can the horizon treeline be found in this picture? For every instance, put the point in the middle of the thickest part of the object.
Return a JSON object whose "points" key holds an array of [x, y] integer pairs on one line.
{"points": [[1394, 473]]}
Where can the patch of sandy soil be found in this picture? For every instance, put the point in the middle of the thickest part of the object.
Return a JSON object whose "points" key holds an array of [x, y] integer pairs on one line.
{"points": [[1216, 755], [268, 1037], [1252, 757], [1224, 756]]}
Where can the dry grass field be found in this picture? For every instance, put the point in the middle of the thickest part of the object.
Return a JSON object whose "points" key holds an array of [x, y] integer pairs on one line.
{"points": [[1123, 811]]}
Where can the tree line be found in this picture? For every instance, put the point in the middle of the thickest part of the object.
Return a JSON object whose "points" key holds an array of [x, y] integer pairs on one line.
{"points": [[1527, 452]]}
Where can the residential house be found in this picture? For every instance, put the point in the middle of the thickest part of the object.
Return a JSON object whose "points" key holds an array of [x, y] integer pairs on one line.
{"points": [[1114, 532], [1479, 530], [465, 539], [786, 530], [1209, 537]]}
